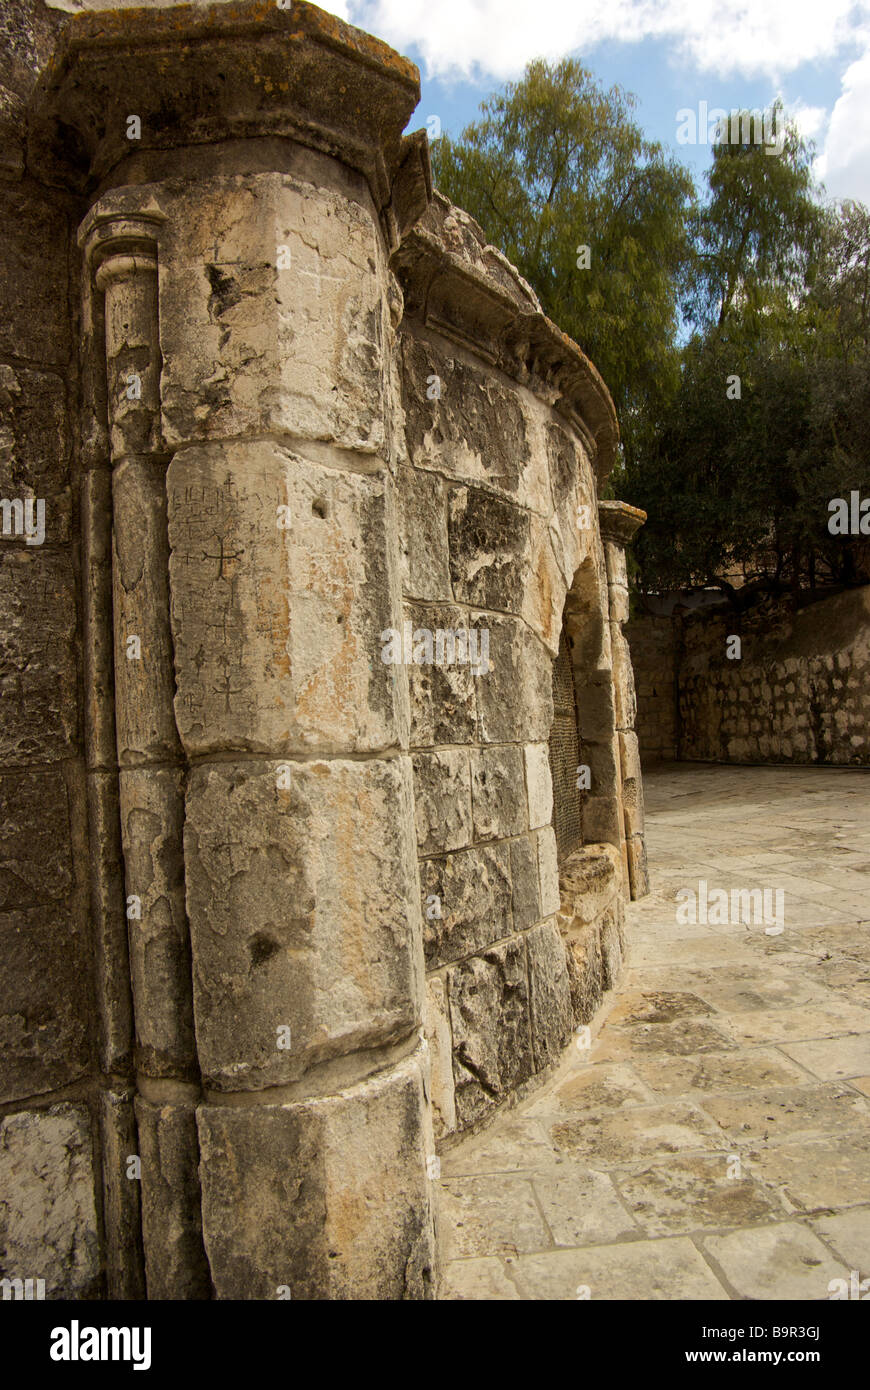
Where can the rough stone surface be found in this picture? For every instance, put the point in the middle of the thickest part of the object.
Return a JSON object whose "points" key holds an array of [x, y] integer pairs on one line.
{"points": [[44, 1000], [710, 1139], [175, 1265], [48, 1223], [37, 655], [329, 1199], [490, 1017], [302, 916], [442, 800], [318, 419], [498, 804], [277, 626], [472, 893]]}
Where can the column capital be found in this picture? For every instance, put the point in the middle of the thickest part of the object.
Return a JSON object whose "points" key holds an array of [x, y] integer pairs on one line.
{"points": [[133, 82], [620, 521]]}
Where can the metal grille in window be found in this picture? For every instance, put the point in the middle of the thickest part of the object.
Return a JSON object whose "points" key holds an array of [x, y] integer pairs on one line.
{"points": [[565, 756]]}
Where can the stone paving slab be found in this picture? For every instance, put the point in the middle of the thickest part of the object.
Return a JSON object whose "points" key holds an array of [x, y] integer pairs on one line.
{"points": [[714, 1139]]}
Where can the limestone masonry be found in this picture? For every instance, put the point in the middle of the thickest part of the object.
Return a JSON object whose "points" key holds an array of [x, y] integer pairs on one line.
{"points": [[304, 870]]}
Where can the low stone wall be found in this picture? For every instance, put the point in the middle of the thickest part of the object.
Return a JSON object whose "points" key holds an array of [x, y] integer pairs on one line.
{"points": [[798, 692]]}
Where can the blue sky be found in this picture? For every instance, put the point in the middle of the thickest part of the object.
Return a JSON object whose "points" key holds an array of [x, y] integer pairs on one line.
{"points": [[672, 54]]}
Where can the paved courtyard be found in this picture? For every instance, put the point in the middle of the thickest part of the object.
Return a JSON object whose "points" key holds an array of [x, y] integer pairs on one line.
{"points": [[714, 1139]]}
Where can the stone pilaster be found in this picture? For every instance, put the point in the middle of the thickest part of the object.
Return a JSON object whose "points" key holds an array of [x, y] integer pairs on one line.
{"points": [[241, 298], [120, 255], [619, 524]]}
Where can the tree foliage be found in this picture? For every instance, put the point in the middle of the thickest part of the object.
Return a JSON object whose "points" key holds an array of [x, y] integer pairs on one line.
{"points": [[756, 277], [556, 163]]}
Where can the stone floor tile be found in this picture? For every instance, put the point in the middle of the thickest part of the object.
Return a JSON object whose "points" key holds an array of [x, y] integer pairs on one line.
{"points": [[642, 1270], [514, 1142], [832, 1058], [492, 1215], [718, 1071], [782, 1114], [849, 1237], [599, 1087], [581, 1206], [477, 1280], [829, 1173], [690, 1192], [782, 1261], [645, 1132]]}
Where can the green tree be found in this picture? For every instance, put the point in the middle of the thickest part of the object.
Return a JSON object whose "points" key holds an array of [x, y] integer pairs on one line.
{"points": [[557, 163]]}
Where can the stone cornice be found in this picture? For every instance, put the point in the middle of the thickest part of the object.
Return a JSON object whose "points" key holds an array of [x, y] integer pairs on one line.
{"points": [[230, 71], [619, 521], [456, 284]]}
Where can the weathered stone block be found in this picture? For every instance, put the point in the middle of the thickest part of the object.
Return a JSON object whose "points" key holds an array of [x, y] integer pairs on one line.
{"points": [[34, 319], [152, 821], [515, 697], [175, 1263], [498, 792], [539, 784], [283, 580], [301, 895], [37, 655], [326, 1199], [586, 970], [589, 880], [544, 588], [436, 1026], [548, 869], [442, 800], [109, 916], [48, 1221], [489, 1013], [44, 1001], [474, 430], [525, 882], [490, 547], [125, 1275], [471, 890], [423, 536], [632, 783], [638, 873], [550, 992], [442, 696], [612, 943], [36, 854], [273, 313], [35, 446]]}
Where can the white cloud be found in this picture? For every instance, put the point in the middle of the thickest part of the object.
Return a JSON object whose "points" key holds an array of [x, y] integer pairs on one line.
{"points": [[496, 38], [844, 164], [810, 120]]}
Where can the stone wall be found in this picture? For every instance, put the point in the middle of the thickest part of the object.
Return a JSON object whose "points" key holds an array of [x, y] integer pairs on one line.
{"points": [[799, 691], [652, 638], [282, 898]]}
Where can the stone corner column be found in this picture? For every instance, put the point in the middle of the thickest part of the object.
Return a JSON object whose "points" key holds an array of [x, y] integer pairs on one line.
{"points": [[619, 524], [240, 252]]}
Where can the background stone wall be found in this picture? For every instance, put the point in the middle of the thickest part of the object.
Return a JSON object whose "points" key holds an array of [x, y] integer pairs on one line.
{"points": [[652, 640], [800, 691]]}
